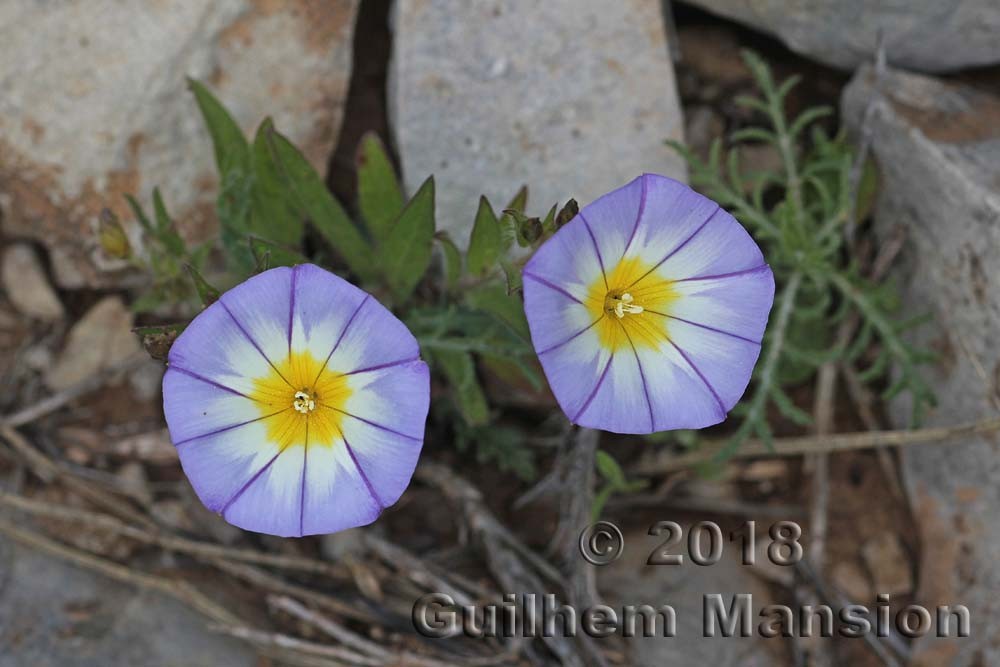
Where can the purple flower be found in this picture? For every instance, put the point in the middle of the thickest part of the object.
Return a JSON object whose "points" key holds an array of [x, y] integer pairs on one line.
{"points": [[648, 308], [297, 404]]}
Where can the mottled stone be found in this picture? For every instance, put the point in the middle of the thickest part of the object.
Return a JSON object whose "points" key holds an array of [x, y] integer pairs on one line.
{"points": [[572, 97], [97, 106], [938, 150], [26, 284], [632, 581], [925, 35], [53, 614], [99, 340]]}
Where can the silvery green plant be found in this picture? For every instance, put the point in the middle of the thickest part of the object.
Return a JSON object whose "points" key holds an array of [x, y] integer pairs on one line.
{"points": [[802, 215]]}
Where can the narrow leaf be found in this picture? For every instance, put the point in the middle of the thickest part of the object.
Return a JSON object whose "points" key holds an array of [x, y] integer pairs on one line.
{"points": [[231, 148], [407, 251], [273, 214], [452, 257], [315, 202], [380, 197], [485, 242], [460, 371], [206, 292]]}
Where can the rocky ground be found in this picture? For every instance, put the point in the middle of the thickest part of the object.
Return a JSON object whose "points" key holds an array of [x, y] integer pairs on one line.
{"points": [[102, 554]]}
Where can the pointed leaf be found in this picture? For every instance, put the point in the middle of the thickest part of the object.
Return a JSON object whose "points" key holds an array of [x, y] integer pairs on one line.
{"points": [[231, 148], [520, 200], [452, 257], [460, 371], [273, 214], [484, 243], [206, 292], [407, 251], [380, 197], [315, 202], [610, 469], [165, 226]]}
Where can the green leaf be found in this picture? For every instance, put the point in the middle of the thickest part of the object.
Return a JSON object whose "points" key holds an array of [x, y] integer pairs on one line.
{"points": [[140, 215], [485, 243], [460, 371], [315, 202], [206, 292], [276, 254], [165, 231], [407, 251], [231, 148], [508, 308], [273, 213], [380, 197], [452, 259], [513, 275], [520, 200], [610, 469]]}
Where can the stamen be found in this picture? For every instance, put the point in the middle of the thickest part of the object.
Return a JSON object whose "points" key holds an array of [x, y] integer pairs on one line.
{"points": [[303, 402], [623, 304]]}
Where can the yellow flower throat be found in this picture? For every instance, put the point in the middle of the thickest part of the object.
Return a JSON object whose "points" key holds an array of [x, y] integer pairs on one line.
{"points": [[301, 400], [632, 302]]}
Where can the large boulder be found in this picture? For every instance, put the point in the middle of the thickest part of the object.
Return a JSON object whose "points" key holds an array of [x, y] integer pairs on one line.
{"points": [[94, 105], [925, 35], [938, 149], [572, 97]]}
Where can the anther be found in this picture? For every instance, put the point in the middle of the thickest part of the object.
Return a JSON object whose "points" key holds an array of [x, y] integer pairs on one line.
{"points": [[303, 402], [623, 304]]}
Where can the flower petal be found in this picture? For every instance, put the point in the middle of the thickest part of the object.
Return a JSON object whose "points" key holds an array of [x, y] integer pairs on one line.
{"points": [[722, 361], [220, 464], [553, 316], [261, 308], [567, 261], [621, 401], [574, 370], [374, 339], [721, 247], [680, 398], [612, 220], [213, 348], [271, 501], [737, 305], [323, 307], [195, 407], [336, 496]]}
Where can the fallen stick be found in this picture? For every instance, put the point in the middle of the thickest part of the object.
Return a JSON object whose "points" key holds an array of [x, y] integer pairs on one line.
{"points": [[659, 463]]}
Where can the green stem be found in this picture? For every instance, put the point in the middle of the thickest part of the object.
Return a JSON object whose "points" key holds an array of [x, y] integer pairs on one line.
{"points": [[768, 371]]}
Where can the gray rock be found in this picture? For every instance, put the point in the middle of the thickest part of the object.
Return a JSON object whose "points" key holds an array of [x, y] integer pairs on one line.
{"points": [[631, 581], [55, 615], [925, 35], [26, 284], [99, 340], [938, 149], [572, 97], [97, 105]]}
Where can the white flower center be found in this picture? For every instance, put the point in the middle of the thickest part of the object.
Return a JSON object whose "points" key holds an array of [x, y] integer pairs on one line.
{"points": [[623, 304], [303, 402]]}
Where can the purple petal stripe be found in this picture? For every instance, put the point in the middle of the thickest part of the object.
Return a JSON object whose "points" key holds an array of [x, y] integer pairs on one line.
{"points": [[543, 281], [597, 250], [593, 392], [204, 379], [642, 376], [734, 274], [229, 428], [704, 326], [254, 478], [578, 333], [302, 497], [246, 334], [343, 333], [679, 247], [638, 217], [373, 424], [722, 407], [380, 367], [291, 310], [364, 477]]}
